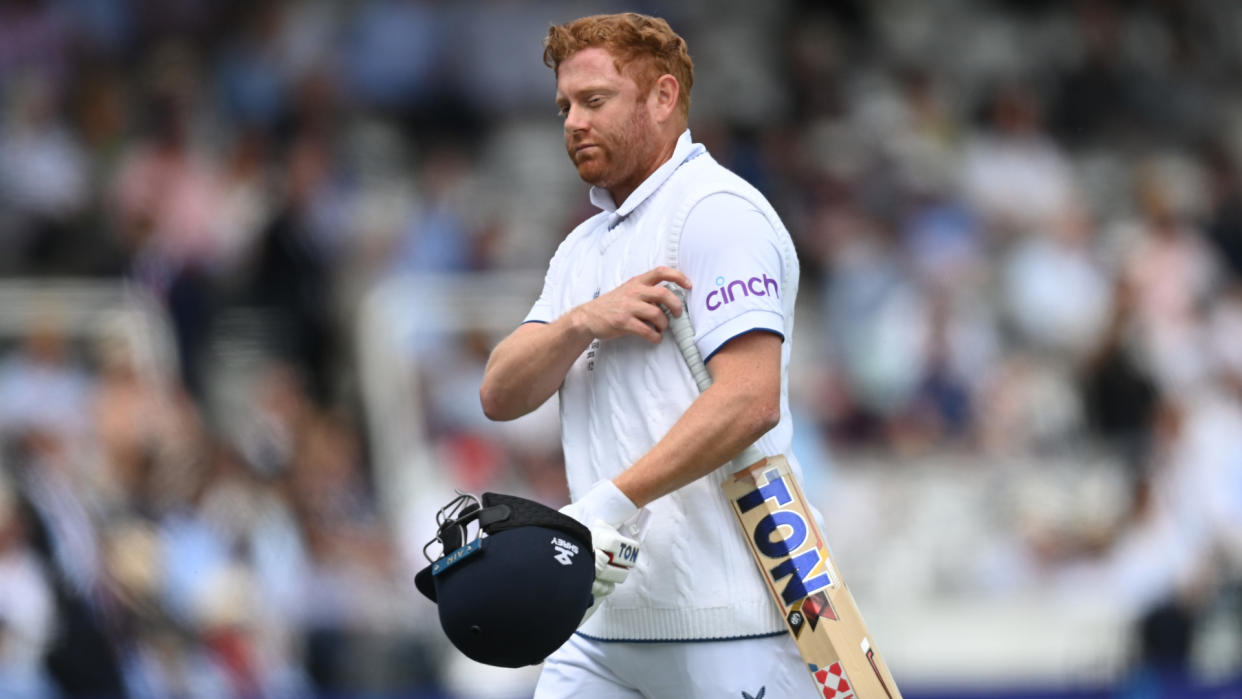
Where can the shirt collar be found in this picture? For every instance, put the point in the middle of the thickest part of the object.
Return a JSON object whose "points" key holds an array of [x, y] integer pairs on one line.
{"points": [[683, 151]]}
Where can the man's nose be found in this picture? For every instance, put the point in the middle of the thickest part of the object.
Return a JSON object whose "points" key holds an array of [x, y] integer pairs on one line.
{"points": [[575, 119]]}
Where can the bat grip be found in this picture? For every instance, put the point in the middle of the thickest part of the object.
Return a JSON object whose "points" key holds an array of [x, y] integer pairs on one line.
{"points": [[683, 335]]}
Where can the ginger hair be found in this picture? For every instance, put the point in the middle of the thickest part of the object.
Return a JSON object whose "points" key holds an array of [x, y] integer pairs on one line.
{"points": [[646, 46]]}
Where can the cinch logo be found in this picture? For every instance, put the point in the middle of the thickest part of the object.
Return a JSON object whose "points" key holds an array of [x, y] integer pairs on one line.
{"points": [[781, 535], [755, 286]]}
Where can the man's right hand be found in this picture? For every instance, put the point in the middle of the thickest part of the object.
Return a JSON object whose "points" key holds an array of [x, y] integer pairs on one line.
{"points": [[633, 308]]}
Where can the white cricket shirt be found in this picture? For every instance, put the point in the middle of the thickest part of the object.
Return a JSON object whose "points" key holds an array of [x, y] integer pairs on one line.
{"points": [[695, 578]]}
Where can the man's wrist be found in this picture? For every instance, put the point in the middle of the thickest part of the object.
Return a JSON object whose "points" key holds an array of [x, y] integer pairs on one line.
{"points": [[575, 325], [605, 502]]}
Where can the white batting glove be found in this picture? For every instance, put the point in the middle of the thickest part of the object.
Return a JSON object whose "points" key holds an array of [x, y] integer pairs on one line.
{"points": [[615, 555], [602, 510]]}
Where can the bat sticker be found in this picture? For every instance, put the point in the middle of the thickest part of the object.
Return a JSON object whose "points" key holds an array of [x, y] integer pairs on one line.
{"points": [[875, 667], [783, 536], [832, 682], [807, 612]]}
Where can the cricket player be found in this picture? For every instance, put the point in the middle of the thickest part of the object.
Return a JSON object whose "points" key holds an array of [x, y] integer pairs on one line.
{"points": [[693, 618]]}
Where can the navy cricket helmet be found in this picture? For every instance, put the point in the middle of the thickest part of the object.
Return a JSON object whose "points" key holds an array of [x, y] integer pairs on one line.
{"points": [[517, 589]]}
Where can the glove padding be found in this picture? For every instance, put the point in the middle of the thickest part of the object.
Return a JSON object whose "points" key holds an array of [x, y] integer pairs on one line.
{"points": [[615, 553]]}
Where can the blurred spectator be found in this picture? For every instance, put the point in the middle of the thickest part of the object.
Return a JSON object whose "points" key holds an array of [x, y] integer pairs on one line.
{"points": [[135, 423], [941, 412], [43, 386], [391, 53], [1097, 98], [27, 611], [876, 317], [1171, 271], [84, 655], [43, 178], [166, 196], [439, 238], [1119, 395], [104, 28], [1224, 225], [246, 206], [1013, 173], [35, 37], [357, 626], [230, 565], [1032, 407], [252, 81], [166, 185], [1056, 290], [289, 275], [943, 240]]}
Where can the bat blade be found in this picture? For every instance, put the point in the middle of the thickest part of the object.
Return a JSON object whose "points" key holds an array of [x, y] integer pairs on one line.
{"points": [[793, 559]]}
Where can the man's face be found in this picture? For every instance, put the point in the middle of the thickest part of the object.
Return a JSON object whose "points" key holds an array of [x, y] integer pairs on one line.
{"points": [[610, 134]]}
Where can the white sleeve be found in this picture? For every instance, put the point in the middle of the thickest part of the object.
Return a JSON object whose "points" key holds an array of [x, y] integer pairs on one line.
{"points": [[728, 250], [543, 311]]}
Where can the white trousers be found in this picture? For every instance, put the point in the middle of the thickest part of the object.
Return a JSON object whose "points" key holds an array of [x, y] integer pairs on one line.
{"points": [[758, 668]]}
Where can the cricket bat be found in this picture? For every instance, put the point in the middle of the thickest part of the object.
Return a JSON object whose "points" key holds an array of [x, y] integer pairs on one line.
{"points": [[793, 559]]}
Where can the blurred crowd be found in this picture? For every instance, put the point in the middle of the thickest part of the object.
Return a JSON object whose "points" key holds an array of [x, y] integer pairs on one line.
{"points": [[1020, 225]]}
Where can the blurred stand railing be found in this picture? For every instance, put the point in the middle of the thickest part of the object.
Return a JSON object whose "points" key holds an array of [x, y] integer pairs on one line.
{"points": [[91, 311]]}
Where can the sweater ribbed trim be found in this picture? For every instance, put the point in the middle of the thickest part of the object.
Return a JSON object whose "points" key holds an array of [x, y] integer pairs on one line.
{"points": [[739, 620], [774, 634]]}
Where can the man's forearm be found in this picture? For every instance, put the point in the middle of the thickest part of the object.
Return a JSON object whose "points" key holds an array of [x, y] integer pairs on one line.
{"points": [[715, 429], [742, 405], [529, 365]]}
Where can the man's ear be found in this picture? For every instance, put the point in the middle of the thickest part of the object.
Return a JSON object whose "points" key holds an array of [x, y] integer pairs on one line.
{"points": [[664, 96]]}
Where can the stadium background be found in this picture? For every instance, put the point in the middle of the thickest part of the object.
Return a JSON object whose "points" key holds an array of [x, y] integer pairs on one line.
{"points": [[254, 255]]}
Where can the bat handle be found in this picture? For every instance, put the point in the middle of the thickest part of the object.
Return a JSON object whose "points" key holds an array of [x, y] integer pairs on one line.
{"points": [[683, 335], [749, 457]]}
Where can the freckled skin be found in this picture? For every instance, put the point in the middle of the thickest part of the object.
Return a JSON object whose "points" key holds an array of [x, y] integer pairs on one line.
{"points": [[611, 135]]}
